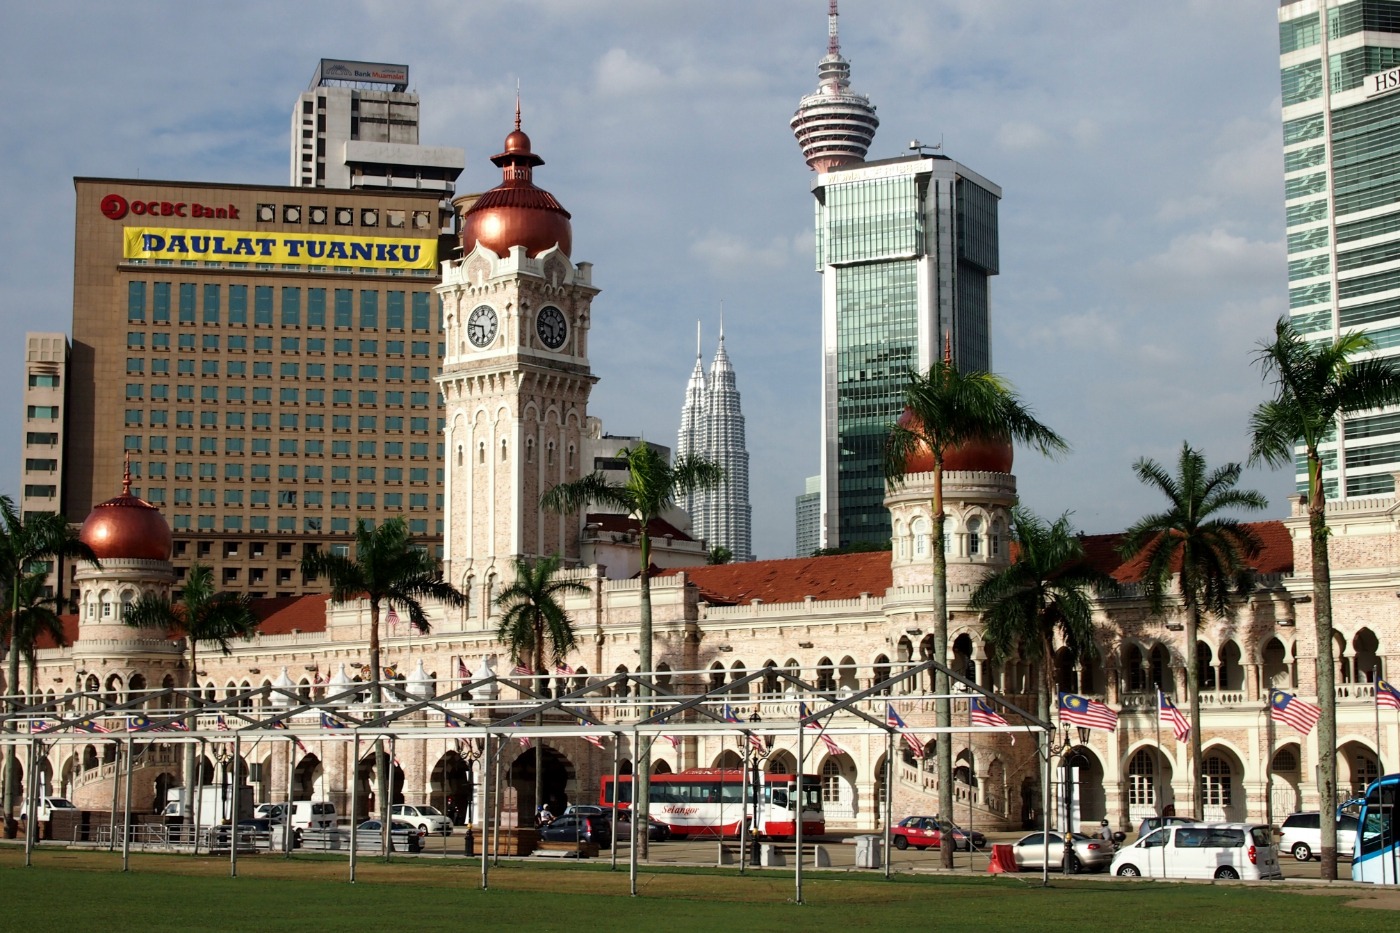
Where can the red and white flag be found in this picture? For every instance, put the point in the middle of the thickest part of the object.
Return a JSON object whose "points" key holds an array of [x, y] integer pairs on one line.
{"points": [[1171, 716], [462, 674], [1287, 708]]}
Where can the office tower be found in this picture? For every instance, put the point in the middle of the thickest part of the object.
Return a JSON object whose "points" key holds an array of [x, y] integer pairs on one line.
{"points": [[41, 476], [356, 126], [906, 248], [809, 516], [712, 426], [1342, 196], [265, 356]]}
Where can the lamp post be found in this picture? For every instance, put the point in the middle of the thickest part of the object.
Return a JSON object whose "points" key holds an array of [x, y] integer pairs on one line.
{"points": [[755, 758], [1070, 757], [223, 755]]}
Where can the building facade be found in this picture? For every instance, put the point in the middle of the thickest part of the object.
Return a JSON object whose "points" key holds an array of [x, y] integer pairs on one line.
{"points": [[265, 357], [45, 379], [356, 126], [1338, 61], [808, 509]]}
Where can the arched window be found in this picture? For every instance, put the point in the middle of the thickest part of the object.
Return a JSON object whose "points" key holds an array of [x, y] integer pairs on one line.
{"points": [[920, 529], [1285, 761], [571, 456], [128, 597], [831, 781], [481, 452], [1142, 779], [459, 454], [503, 450], [529, 450], [549, 453], [974, 537], [1215, 782]]}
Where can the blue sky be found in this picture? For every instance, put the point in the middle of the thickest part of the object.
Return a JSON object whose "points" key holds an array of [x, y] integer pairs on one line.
{"points": [[1138, 146]]}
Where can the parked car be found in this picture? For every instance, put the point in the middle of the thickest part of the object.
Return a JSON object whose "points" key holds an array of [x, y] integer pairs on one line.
{"points": [[1302, 834], [1224, 851], [428, 819], [926, 832], [657, 831], [47, 807], [403, 836], [1157, 822], [1088, 853], [579, 828], [259, 832]]}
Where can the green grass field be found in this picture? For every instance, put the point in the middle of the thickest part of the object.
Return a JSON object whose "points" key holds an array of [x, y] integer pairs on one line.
{"points": [[82, 890]]}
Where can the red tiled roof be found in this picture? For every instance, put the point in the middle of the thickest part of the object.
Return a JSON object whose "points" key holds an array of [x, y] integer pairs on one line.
{"points": [[1275, 552], [620, 524], [70, 633], [278, 616], [840, 576]]}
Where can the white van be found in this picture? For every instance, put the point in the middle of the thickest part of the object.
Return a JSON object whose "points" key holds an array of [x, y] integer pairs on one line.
{"points": [[46, 808], [313, 814], [1224, 851]]}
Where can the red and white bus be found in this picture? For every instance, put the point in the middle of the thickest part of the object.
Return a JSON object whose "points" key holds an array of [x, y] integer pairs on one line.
{"points": [[709, 802]]}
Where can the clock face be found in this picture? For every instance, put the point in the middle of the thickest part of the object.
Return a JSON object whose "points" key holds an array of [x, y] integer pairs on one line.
{"points": [[481, 326], [552, 327]]}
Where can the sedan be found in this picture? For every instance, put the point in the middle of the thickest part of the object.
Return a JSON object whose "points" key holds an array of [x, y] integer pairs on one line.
{"points": [[404, 837], [1089, 854], [657, 831], [428, 819], [926, 832], [579, 828]]}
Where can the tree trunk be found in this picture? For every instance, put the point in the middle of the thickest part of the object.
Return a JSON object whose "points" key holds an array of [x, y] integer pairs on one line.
{"points": [[11, 770], [539, 720], [943, 706], [1326, 679], [1193, 696], [381, 755], [189, 760], [641, 771]]}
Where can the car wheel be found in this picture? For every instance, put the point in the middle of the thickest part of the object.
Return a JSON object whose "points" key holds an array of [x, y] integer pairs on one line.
{"points": [[422, 829], [1301, 852], [1074, 865], [1226, 873], [296, 839], [901, 843]]}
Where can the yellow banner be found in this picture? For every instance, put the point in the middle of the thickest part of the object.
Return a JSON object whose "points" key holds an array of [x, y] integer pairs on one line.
{"points": [[301, 249]]}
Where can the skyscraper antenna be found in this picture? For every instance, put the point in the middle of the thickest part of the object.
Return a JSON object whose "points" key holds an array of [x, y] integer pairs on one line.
{"points": [[721, 302], [517, 103], [697, 340], [833, 38]]}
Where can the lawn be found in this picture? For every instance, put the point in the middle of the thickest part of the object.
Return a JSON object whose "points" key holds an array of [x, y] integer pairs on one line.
{"points": [[76, 890]]}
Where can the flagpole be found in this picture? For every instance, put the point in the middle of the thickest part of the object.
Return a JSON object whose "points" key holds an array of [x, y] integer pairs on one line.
{"points": [[1157, 765], [1376, 708], [1269, 755], [971, 763]]}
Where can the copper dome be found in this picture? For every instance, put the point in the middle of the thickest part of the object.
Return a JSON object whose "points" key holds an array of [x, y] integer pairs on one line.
{"points": [[975, 456], [516, 212], [127, 528]]}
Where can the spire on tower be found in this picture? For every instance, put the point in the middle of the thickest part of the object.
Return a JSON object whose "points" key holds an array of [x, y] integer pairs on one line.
{"points": [[834, 125]]}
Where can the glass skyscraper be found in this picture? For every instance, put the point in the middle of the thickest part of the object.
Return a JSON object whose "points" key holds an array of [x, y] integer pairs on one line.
{"points": [[1341, 154]]}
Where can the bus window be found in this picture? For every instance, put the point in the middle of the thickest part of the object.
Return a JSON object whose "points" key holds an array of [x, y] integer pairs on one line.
{"points": [[731, 793], [811, 795], [777, 797]]}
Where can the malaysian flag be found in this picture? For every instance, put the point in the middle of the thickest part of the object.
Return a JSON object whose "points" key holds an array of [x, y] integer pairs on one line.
{"points": [[140, 724], [593, 740], [91, 727], [916, 747], [831, 747], [984, 715], [326, 722], [279, 724], [317, 679], [524, 741], [675, 741], [563, 670], [462, 673], [754, 740], [521, 670], [1169, 715], [222, 725], [393, 617], [450, 720], [1387, 697], [1090, 714], [1287, 708]]}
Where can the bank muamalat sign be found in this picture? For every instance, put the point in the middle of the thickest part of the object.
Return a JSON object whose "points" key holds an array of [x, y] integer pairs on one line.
{"points": [[1383, 83], [278, 248]]}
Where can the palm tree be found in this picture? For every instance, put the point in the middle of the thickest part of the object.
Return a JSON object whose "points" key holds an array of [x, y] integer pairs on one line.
{"points": [[948, 408], [387, 569], [533, 621], [652, 487], [1047, 591], [201, 614], [1205, 551], [1317, 383], [36, 617], [25, 541]]}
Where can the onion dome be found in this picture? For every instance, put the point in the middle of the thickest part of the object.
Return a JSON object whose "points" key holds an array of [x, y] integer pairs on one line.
{"points": [[834, 125], [516, 212], [980, 455], [127, 528]]}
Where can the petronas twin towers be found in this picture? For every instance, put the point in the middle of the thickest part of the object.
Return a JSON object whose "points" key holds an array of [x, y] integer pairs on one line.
{"points": [[712, 426]]}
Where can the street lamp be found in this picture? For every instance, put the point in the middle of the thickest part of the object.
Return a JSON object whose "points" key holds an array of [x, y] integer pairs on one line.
{"points": [[755, 758], [223, 754], [1070, 757]]}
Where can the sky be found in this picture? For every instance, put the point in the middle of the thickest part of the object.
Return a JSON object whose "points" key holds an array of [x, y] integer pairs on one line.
{"points": [[1138, 147]]}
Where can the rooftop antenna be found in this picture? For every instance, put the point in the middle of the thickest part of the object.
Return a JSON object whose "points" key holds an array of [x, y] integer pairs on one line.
{"points": [[916, 146], [833, 40], [517, 103], [697, 340], [721, 301]]}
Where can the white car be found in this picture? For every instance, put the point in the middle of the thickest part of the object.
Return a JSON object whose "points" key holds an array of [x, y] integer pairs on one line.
{"points": [[47, 807], [427, 819], [1223, 851], [1302, 836]]}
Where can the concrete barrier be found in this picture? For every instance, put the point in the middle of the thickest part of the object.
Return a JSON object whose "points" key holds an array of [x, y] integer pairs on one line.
{"points": [[726, 855], [770, 856], [820, 858]]}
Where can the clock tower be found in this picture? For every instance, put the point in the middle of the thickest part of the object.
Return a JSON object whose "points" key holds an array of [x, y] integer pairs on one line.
{"points": [[515, 378]]}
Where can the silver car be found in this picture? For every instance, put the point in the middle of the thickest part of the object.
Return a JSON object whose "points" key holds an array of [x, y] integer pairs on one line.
{"points": [[1089, 854], [429, 820]]}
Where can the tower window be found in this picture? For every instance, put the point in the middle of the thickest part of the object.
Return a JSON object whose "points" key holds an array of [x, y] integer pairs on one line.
{"points": [[503, 450], [481, 452], [529, 450]]}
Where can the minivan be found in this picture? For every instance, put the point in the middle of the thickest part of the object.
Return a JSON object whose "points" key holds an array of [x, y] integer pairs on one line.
{"points": [[46, 808], [1223, 851], [1302, 834], [313, 814]]}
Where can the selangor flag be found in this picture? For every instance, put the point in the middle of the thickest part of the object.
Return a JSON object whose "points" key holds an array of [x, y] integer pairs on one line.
{"points": [[1287, 708], [1169, 715], [916, 747], [984, 715], [1387, 697], [1090, 714]]}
